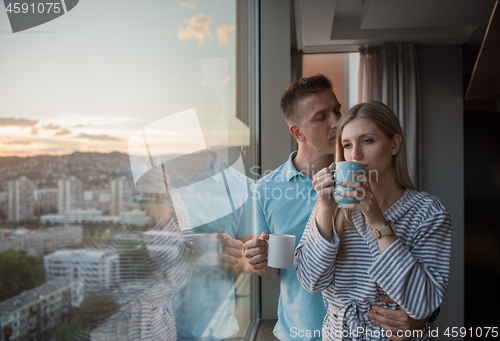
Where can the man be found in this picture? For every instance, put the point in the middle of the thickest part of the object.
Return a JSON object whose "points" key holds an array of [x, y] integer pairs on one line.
{"points": [[284, 200]]}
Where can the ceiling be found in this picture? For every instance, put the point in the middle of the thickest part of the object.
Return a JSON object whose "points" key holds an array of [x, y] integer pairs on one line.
{"points": [[344, 25]]}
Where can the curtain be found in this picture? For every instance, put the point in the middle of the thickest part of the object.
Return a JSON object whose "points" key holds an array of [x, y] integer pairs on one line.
{"points": [[389, 73]]}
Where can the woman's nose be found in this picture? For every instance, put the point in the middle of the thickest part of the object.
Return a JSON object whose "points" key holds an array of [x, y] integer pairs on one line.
{"points": [[357, 154]]}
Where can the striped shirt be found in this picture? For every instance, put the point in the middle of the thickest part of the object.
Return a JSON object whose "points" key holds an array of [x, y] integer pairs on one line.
{"points": [[148, 315], [414, 271]]}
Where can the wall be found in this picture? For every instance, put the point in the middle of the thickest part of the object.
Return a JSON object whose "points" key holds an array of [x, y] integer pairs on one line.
{"points": [[331, 65], [275, 78], [442, 158]]}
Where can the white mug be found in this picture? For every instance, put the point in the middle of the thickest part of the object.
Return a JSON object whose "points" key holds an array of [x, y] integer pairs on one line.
{"points": [[280, 251], [206, 249]]}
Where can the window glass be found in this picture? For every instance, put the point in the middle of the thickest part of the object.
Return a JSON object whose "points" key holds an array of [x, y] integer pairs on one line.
{"points": [[125, 134]]}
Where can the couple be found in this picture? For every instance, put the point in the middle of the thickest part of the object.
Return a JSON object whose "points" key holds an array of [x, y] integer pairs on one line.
{"points": [[359, 274]]}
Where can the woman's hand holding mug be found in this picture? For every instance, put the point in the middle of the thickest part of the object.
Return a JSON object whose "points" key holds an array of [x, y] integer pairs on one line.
{"points": [[368, 206], [324, 184], [367, 202]]}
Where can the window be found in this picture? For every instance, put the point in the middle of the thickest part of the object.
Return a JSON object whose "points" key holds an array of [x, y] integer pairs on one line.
{"points": [[79, 92]]}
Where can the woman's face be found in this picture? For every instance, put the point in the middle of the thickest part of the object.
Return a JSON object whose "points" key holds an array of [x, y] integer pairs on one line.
{"points": [[365, 143]]}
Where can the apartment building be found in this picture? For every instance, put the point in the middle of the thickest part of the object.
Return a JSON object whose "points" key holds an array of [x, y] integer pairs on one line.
{"points": [[46, 200], [21, 200], [37, 314], [4, 204], [116, 196], [40, 242], [70, 195], [134, 217], [99, 269], [97, 200]]}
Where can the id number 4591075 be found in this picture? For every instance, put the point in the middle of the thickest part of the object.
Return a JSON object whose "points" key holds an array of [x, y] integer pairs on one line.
{"points": [[471, 332], [22, 7]]}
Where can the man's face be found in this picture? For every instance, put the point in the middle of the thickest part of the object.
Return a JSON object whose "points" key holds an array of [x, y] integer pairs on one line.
{"points": [[319, 114]]}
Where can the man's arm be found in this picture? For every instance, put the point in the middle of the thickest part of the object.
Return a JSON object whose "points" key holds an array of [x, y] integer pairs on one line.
{"points": [[256, 253], [395, 320]]}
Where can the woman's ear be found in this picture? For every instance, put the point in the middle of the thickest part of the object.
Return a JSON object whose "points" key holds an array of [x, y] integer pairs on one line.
{"points": [[295, 131], [396, 144]]}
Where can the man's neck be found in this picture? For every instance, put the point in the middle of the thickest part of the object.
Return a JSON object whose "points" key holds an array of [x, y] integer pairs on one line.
{"points": [[309, 163]]}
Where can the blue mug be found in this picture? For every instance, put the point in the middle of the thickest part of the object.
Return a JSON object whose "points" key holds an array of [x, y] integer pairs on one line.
{"points": [[343, 171]]}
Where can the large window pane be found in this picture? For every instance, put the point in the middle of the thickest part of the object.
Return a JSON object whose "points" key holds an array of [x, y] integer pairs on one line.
{"points": [[128, 129]]}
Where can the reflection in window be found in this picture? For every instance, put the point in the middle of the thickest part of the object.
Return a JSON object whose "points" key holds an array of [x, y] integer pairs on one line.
{"points": [[123, 172]]}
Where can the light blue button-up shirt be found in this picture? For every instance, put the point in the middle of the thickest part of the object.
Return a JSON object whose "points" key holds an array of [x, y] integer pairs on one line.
{"points": [[284, 200]]}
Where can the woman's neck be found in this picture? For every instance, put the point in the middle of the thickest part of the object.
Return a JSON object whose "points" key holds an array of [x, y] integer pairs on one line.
{"points": [[386, 191]]}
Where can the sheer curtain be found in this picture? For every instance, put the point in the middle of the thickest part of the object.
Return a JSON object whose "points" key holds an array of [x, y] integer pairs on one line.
{"points": [[389, 73]]}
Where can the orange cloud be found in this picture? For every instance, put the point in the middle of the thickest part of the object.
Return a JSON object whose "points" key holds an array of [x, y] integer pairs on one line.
{"points": [[62, 132], [52, 126], [199, 28], [224, 33], [16, 142], [17, 122], [102, 137], [188, 4]]}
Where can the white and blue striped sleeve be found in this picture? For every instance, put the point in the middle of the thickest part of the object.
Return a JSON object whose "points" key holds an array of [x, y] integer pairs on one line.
{"points": [[171, 247], [315, 258], [171, 251], [417, 280]]}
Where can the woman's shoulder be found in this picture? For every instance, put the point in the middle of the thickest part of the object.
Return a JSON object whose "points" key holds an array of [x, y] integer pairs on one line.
{"points": [[425, 202]]}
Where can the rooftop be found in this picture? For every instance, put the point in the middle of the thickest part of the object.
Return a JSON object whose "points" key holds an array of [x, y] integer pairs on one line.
{"points": [[80, 252], [30, 296]]}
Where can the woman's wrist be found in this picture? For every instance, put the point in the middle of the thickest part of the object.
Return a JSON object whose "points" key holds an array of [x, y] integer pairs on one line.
{"points": [[325, 213], [324, 221], [378, 222], [378, 225], [326, 207]]}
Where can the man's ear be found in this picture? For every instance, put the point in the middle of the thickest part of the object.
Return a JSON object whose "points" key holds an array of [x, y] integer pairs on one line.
{"points": [[396, 144], [295, 131]]}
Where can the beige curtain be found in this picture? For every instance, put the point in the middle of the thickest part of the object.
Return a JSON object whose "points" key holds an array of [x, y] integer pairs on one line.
{"points": [[389, 73]]}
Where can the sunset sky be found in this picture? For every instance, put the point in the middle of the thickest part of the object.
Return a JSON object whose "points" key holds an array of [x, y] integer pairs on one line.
{"points": [[89, 79]]}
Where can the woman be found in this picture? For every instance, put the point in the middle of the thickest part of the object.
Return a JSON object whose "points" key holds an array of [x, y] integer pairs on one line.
{"points": [[154, 263], [408, 258]]}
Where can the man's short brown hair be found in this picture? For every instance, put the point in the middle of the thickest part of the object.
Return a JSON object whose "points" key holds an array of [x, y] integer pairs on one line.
{"points": [[297, 91]]}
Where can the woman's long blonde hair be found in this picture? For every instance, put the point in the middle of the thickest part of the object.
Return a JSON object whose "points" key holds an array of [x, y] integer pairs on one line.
{"points": [[385, 120]]}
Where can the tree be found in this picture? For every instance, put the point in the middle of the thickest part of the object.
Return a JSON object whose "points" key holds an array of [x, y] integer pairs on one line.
{"points": [[96, 309], [73, 331], [19, 272]]}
